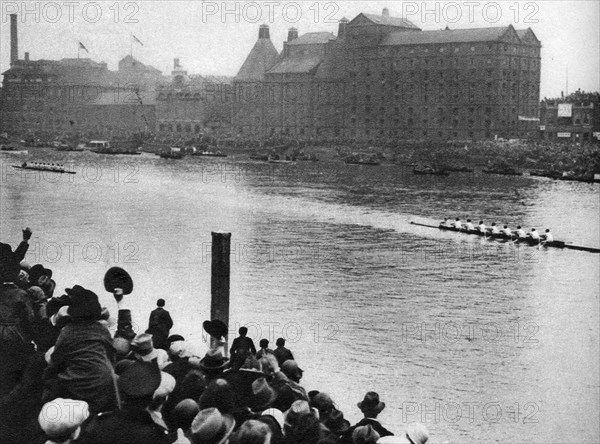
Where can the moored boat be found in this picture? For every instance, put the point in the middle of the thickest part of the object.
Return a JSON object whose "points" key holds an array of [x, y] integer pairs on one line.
{"points": [[210, 154], [430, 171], [172, 153]]}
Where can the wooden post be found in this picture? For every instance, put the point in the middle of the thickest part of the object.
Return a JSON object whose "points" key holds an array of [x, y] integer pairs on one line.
{"points": [[219, 285]]}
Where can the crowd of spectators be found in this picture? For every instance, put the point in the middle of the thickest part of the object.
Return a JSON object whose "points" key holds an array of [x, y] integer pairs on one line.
{"points": [[65, 378]]}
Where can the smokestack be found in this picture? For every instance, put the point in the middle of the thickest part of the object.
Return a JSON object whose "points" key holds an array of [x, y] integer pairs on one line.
{"points": [[292, 34], [26, 56], [263, 32], [342, 28], [175, 63], [14, 39]]}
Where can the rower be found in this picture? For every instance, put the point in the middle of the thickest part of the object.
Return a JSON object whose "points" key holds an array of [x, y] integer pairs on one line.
{"points": [[481, 227], [506, 231], [494, 229], [534, 235], [457, 224], [548, 236], [469, 225], [520, 232]]}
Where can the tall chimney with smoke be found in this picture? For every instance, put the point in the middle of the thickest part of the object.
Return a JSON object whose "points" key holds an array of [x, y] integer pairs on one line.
{"points": [[14, 41]]}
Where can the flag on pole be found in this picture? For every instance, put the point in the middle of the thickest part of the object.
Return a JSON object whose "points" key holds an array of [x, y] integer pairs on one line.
{"points": [[81, 46], [135, 39]]}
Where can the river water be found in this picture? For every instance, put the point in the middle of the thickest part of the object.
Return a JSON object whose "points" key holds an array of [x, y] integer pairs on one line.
{"points": [[483, 341]]}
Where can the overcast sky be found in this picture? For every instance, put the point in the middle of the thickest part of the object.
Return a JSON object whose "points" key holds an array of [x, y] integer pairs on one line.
{"points": [[215, 37]]}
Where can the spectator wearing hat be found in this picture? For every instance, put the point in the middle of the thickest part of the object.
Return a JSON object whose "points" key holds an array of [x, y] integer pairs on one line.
{"points": [[253, 432], [371, 407], [302, 426], [241, 348], [264, 348], [365, 435], [81, 365], [159, 325], [143, 349], [210, 426], [292, 371], [281, 353], [275, 419], [329, 415], [213, 363], [133, 423], [61, 420]]}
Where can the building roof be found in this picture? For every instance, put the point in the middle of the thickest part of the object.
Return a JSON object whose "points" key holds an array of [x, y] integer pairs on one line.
{"points": [[291, 65], [312, 38], [447, 36], [527, 36], [386, 20], [132, 62], [262, 58]]}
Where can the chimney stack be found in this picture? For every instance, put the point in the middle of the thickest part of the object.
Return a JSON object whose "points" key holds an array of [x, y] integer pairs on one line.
{"points": [[14, 39], [26, 56], [342, 28], [292, 34], [263, 32], [175, 63], [385, 12]]}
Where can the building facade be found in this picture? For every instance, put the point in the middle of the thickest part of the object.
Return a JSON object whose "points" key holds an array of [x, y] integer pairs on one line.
{"points": [[192, 105], [77, 97], [571, 119], [383, 79]]}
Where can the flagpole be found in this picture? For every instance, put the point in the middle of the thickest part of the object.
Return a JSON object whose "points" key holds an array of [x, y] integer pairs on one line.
{"points": [[131, 44]]}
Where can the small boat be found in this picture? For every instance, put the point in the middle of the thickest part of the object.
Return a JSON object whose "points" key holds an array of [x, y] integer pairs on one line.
{"points": [[503, 171], [546, 173], [458, 169], [526, 241], [172, 153], [359, 159], [430, 171], [44, 167], [67, 147], [117, 152], [281, 161], [210, 154], [13, 150], [261, 157]]}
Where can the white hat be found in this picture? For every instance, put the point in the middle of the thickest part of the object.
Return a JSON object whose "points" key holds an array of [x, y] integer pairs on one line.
{"points": [[166, 387], [60, 418], [277, 414]]}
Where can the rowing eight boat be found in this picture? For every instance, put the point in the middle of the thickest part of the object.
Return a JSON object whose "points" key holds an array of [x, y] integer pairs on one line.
{"points": [[501, 236]]}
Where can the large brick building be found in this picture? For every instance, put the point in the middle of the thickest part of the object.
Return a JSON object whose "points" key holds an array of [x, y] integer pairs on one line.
{"points": [[76, 96], [190, 105], [575, 118], [382, 78]]}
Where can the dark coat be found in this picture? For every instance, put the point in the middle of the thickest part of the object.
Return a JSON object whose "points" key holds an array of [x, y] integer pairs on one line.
{"points": [[16, 347], [241, 348], [159, 326], [282, 354], [308, 430], [347, 437], [82, 364], [127, 426]]}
